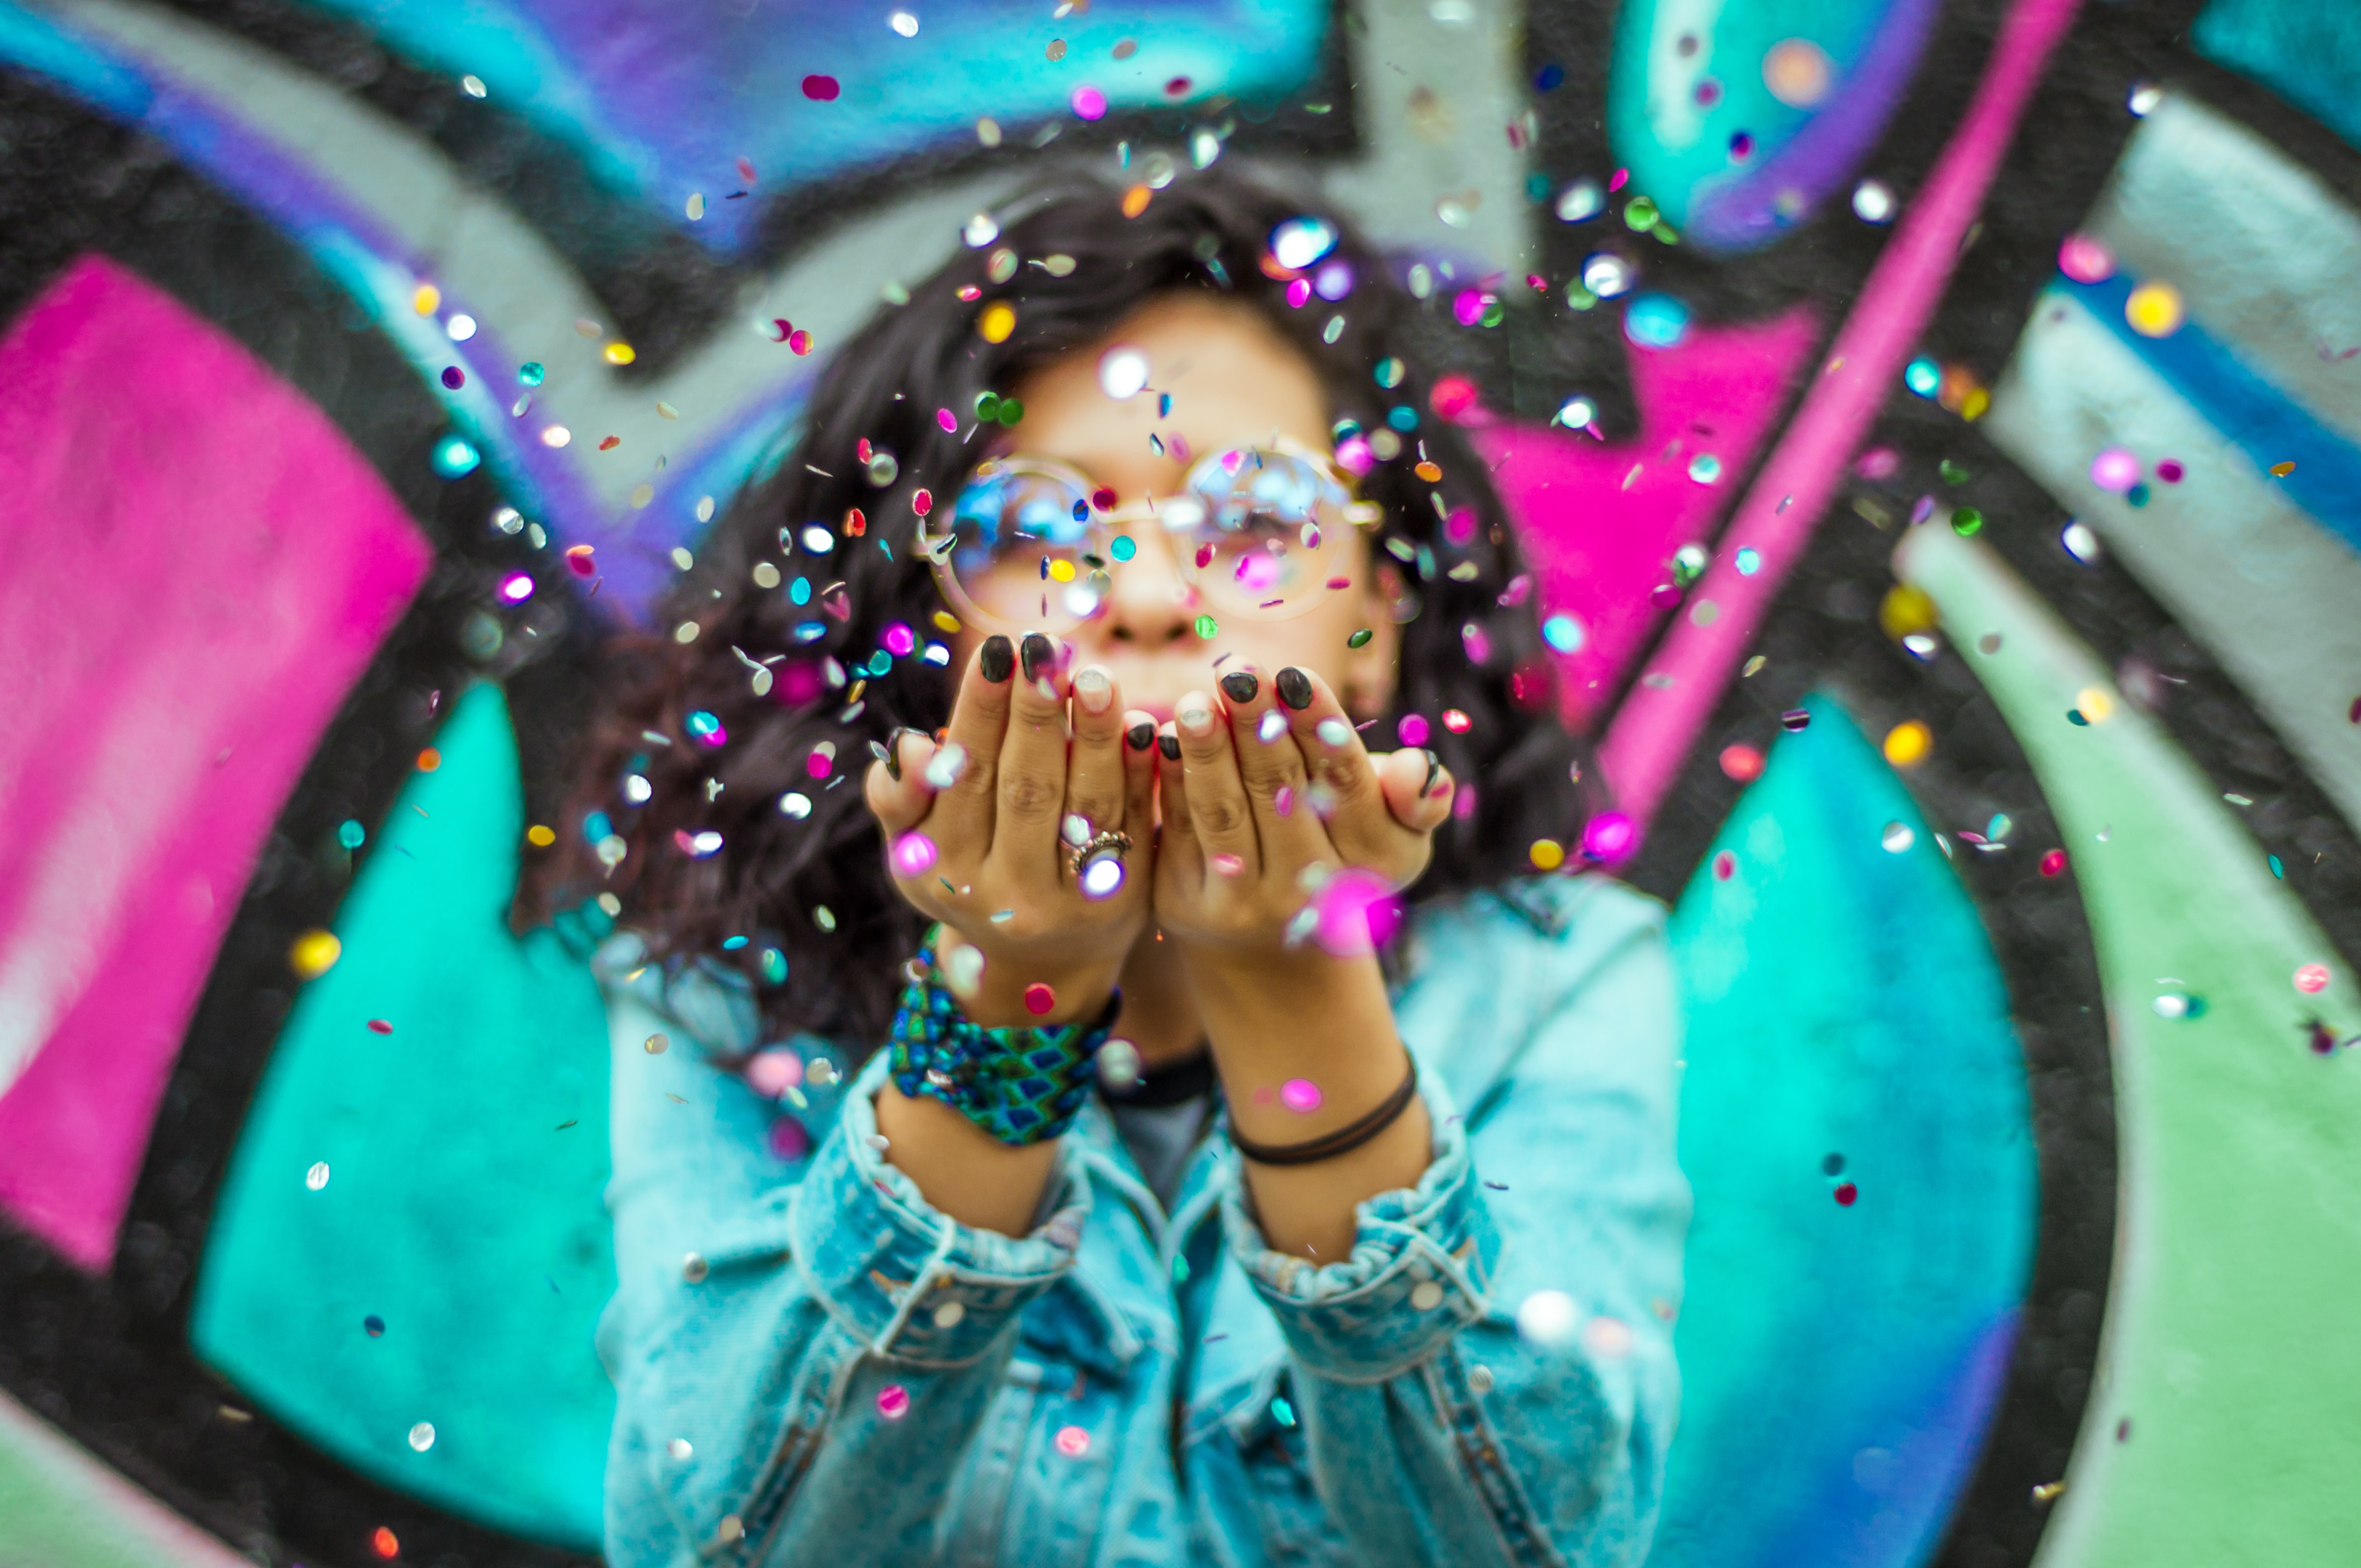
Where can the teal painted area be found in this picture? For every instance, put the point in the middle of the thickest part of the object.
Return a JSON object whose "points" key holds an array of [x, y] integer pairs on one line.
{"points": [[2307, 52], [1689, 75], [455, 1210], [31, 44], [1839, 1365]]}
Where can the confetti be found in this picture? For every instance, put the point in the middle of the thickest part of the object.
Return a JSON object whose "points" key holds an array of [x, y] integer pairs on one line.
{"points": [[1741, 763], [1039, 998], [313, 954], [379, 1026], [820, 89], [422, 1436], [1300, 1095], [1908, 743], [1846, 1192], [317, 1177]]}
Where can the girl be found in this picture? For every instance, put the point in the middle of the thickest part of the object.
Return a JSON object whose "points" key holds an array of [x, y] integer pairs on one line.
{"points": [[1094, 1175]]}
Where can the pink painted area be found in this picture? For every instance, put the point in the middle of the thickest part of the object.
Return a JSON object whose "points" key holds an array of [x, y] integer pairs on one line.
{"points": [[1660, 719], [1600, 521], [198, 567]]}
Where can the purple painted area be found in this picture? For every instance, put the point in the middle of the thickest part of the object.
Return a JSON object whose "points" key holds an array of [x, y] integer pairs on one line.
{"points": [[1657, 724], [199, 569], [1743, 208], [1599, 523]]}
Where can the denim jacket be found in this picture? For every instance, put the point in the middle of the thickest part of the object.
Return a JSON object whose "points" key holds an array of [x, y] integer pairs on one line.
{"points": [[813, 1366]]}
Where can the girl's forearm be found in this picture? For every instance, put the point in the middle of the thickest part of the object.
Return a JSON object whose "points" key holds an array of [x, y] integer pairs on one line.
{"points": [[962, 1169], [1286, 1017]]}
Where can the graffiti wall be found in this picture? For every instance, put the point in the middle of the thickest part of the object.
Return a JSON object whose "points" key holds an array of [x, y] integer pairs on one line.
{"points": [[1936, 430]]}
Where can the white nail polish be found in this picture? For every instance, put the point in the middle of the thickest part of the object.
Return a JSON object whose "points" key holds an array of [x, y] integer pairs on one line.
{"points": [[1094, 690], [1197, 719]]}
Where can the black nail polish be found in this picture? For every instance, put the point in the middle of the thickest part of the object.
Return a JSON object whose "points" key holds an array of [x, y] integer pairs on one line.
{"points": [[886, 754], [1141, 736], [1294, 688], [1434, 766], [1037, 654], [1240, 686], [997, 656], [1171, 746]]}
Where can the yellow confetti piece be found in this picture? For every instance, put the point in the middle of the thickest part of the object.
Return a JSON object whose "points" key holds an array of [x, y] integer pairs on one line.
{"points": [[1061, 571], [313, 954], [429, 759], [620, 354], [946, 621], [1906, 608], [2094, 705], [540, 836], [1547, 854], [2153, 310], [1908, 743], [2281, 470], [998, 320], [427, 300], [665, 410]]}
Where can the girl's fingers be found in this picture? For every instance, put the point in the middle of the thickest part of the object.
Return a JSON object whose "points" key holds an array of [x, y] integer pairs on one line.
{"points": [[1032, 790], [1140, 782], [1178, 853], [1096, 784], [965, 776], [1218, 808], [1417, 788], [1269, 763], [898, 792], [1360, 823]]}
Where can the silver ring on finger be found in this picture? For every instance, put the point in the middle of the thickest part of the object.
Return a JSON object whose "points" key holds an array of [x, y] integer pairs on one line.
{"points": [[1097, 864]]}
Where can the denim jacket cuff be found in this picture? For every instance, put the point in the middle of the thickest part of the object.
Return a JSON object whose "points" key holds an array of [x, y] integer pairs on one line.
{"points": [[908, 1281], [1421, 1264]]}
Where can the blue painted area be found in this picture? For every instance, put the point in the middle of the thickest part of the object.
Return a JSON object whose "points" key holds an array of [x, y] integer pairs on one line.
{"points": [[663, 100], [32, 44], [466, 1151], [2250, 412], [2307, 52], [1690, 111], [1839, 1365]]}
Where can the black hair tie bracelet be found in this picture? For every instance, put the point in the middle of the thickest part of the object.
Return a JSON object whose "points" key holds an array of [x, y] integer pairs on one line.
{"points": [[1343, 1140]]}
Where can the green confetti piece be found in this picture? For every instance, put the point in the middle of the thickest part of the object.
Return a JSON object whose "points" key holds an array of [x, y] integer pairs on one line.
{"points": [[1208, 628]]}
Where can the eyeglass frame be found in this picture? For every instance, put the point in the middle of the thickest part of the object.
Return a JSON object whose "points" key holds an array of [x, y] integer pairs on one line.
{"points": [[1358, 511]]}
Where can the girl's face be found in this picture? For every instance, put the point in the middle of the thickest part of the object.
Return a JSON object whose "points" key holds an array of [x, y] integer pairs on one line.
{"points": [[1234, 383]]}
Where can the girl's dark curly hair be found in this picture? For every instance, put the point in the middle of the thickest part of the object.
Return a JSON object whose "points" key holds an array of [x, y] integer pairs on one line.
{"points": [[1470, 642]]}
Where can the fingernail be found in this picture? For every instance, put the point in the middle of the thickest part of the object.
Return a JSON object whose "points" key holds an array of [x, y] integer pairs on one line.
{"points": [[1169, 744], [884, 755], [1240, 686], [1294, 688], [1037, 654], [997, 657], [1140, 736], [1095, 690], [1434, 766], [1197, 719], [1334, 732]]}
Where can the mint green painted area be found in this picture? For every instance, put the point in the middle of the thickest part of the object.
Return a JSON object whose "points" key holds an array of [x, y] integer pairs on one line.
{"points": [[62, 1508], [1839, 1365], [2238, 1225], [456, 1208]]}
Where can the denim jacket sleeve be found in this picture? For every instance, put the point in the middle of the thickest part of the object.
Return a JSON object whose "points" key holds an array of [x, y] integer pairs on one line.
{"points": [[1489, 1377], [784, 1335]]}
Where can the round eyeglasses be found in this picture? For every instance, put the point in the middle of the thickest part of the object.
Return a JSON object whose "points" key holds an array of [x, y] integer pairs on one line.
{"points": [[1259, 533]]}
